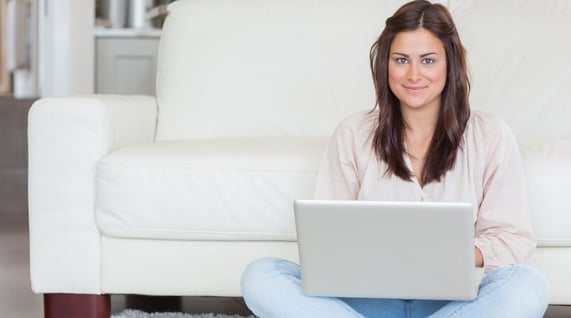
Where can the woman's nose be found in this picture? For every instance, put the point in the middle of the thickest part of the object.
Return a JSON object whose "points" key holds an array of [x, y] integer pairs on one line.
{"points": [[413, 72]]}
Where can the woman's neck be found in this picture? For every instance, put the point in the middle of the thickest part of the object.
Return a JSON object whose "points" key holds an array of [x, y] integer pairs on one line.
{"points": [[419, 123]]}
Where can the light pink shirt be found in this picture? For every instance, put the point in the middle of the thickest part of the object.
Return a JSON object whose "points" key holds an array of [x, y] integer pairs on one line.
{"points": [[488, 173]]}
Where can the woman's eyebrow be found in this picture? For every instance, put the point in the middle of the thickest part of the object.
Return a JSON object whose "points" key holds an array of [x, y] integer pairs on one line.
{"points": [[422, 55]]}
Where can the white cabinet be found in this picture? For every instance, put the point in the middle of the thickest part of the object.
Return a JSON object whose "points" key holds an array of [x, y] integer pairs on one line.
{"points": [[126, 62]]}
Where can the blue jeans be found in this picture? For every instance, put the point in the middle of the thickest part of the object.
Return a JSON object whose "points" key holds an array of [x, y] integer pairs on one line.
{"points": [[272, 289]]}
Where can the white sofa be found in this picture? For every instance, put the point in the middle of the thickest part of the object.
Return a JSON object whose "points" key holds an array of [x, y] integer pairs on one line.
{"points": [[175, 195]]}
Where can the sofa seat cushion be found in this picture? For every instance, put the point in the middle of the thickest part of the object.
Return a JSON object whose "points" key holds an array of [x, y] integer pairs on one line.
{"points": [[209, 189], [548, 175], [242, 189]]}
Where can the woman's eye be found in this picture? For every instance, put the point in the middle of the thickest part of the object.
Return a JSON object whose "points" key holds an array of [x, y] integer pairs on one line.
{"points": [[427, 61], [401, 60]]}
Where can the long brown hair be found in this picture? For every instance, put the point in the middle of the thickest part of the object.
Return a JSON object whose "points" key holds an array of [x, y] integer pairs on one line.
{"points": [[388, 141]]}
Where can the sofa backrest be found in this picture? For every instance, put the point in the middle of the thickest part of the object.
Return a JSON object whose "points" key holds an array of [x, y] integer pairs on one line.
{"points": [[293, 67], [519, 54]]}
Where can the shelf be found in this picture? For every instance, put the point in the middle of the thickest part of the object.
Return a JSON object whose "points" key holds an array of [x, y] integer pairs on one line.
{"points": [[127, 33]]}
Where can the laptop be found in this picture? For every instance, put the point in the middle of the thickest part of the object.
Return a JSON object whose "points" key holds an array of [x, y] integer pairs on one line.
{"points": [[399, 250]]}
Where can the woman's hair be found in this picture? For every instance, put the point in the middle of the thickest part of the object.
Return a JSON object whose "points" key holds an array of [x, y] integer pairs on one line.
{"points": [[388, 141]]}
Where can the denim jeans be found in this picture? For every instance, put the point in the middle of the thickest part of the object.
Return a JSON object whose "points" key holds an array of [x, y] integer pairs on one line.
{"points": [[272, 289]]}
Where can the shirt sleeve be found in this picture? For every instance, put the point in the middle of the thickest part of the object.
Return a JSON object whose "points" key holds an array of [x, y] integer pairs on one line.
{"points": [[337, 178], [503, 227]]}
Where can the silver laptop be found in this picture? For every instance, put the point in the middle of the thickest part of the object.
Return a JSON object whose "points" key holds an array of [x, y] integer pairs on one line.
{"points": [[402, 250]]}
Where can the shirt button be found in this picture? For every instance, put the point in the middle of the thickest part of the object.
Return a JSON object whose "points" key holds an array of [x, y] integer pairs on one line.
{"points": [[421, 198]]}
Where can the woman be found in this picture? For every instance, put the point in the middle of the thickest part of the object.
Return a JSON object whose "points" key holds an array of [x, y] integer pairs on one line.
{"points": [[422, 143]]}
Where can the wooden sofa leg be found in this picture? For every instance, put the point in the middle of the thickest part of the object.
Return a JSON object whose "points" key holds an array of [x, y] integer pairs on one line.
{"points": [[77, 305]]}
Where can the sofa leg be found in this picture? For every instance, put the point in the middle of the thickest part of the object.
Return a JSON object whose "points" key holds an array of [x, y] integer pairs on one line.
{"points": [[77, 305]]}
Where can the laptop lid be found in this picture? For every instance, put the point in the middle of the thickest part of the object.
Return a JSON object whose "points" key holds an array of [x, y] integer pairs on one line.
{"points": [[403, 250]]}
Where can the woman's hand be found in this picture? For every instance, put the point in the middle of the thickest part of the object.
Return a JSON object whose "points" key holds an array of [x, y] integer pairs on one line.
{"points": [[479, 257]]}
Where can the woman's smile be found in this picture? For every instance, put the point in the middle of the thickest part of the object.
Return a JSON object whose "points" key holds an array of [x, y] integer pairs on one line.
{"points": [[414, 89]]}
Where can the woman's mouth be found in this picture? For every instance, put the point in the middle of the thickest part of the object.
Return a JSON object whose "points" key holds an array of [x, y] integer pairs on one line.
{"points": [[414, 89]]}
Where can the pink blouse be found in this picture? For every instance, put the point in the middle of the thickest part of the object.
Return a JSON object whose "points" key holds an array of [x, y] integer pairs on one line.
{"points": [[488, 173]]}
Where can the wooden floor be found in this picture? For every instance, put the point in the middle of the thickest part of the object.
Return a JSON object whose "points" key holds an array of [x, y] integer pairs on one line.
{"points": [[16, 297]]}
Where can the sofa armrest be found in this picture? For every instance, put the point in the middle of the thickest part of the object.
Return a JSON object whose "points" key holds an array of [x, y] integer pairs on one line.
{"points": [[67, 136]]}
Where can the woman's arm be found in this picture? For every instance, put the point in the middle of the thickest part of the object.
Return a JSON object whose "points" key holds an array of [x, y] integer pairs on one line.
{"points": [[503, 226]]}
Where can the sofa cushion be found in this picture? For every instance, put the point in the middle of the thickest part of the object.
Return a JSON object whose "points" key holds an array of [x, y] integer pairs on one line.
{"points": [[517, 53], [243, 189], [548, 173], [227, 189], [301, 66], [288, 61]]}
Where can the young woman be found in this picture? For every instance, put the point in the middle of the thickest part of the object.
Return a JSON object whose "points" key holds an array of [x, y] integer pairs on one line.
{"points": [[422, 143]]}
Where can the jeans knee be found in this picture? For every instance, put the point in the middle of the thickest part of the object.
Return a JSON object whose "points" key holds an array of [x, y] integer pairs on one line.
{"points": [[534, 290], [538, 281], [262, 283], [253, 275], [262, 275]]}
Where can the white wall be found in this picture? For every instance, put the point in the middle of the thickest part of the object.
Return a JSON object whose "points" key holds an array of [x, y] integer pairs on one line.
{"points": [[66, 47]]}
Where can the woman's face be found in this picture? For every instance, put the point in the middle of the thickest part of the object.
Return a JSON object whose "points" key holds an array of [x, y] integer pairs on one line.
{"points": [[417, 69]]}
